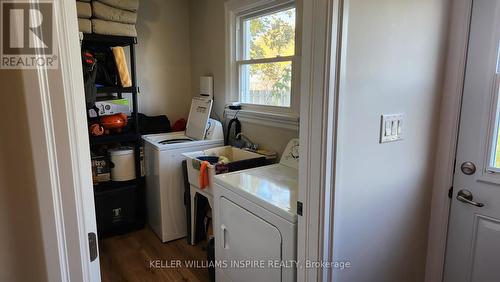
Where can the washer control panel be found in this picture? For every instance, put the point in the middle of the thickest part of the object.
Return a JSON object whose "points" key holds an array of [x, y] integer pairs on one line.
{"points": [[290, 156]]}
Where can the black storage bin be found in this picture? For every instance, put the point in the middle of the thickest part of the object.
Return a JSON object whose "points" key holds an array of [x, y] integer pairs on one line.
{"points": [[118, 210]]}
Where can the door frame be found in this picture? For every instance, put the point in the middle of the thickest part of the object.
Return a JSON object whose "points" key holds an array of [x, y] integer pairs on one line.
{"points": [[62, 155], [66, 247], [321, 37], [458, 37]]}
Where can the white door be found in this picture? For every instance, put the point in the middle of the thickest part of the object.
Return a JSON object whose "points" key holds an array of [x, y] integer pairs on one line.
{"points": [[247, 238], [473, 247]]}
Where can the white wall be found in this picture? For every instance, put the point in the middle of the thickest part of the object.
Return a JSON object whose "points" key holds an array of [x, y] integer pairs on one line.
{"points": [[163, 58], [393, 64], [208, 55], [21, 246]]}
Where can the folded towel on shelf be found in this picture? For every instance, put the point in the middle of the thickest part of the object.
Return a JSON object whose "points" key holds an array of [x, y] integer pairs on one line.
{"points": [[121, 66], [113, 28], [109, 13], [84, 25], [130, 5], [83, 10]]}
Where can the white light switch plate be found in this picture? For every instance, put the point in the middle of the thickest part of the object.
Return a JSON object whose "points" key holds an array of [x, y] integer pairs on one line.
{"points": [[392, 127]]}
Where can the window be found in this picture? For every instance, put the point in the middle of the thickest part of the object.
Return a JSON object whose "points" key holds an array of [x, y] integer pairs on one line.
{"points": [[263, 62], [495, 145]]}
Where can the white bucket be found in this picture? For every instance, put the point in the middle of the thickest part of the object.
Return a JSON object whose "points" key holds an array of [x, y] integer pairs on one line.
{"points": [[122, 163]]}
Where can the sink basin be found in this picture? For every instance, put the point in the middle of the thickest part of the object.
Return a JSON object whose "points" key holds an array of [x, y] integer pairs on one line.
{"points": [[238, 160]]}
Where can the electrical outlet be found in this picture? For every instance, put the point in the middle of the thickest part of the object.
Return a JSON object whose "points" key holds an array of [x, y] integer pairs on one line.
{"points": [[392, 127]]}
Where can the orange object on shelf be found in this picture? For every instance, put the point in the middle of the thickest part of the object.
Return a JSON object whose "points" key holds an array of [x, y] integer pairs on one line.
{"points": [[114, 122], [121, 66], [96, 129]]}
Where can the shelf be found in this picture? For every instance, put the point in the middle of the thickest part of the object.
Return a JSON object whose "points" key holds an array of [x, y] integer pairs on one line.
{"points": [[116, 89], [116, 185], [115, 138], [128, 196], [109, 40], [103, 97]]}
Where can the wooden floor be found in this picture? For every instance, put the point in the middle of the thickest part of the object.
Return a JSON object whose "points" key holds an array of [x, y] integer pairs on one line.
{"points": [[127, 258]]}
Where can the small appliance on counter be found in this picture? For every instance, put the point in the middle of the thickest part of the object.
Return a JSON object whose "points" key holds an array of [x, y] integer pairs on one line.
{"points": [[163, 164]]}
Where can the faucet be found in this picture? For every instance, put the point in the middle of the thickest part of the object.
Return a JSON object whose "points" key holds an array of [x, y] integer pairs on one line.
{"points": [[248, 143]]}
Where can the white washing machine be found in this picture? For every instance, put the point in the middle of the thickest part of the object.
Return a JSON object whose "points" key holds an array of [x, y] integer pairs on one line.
{"points": [[255, 221], [166, 213]]}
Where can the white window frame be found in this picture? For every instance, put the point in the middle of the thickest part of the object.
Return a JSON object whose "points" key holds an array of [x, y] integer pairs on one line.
{"points": [[236, 12], [493, 128]]}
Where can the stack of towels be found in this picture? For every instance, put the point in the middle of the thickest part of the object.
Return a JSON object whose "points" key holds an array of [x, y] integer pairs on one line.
{"points": [[108, 17], [84, 12]]}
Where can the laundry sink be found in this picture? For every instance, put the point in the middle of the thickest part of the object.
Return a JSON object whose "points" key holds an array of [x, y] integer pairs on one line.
{"points": [[237, 159]]}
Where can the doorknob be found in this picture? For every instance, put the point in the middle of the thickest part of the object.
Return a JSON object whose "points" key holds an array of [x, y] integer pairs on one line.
{"points": [[468, 168], [465, 196]]}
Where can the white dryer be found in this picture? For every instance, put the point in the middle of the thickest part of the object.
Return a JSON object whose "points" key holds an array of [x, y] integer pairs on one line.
{"points": [[163, 153], [255, 221]]}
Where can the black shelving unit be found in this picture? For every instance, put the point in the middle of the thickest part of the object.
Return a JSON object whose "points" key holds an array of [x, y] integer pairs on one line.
{"points": [[109, 40], [115, 89], [126, 137], [107, 195]]}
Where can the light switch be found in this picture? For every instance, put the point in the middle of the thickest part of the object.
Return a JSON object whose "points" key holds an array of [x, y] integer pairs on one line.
{"points": [[391, 127], [400, 127], [388, 128], [394, 128]]}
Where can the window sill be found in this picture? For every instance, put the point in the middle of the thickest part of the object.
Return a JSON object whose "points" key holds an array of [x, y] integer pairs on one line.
{"points": [[279, 120]]}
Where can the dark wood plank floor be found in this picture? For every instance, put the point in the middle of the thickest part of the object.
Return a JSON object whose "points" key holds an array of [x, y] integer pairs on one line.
{"points": [[127, 258]]}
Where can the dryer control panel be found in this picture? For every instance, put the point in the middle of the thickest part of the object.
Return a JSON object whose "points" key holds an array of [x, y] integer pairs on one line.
{"points": [[290, 156]]}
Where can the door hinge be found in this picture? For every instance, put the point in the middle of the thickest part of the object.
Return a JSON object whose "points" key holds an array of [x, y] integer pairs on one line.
{"points": [[92, 246], [450, 192], [299, 208]]}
